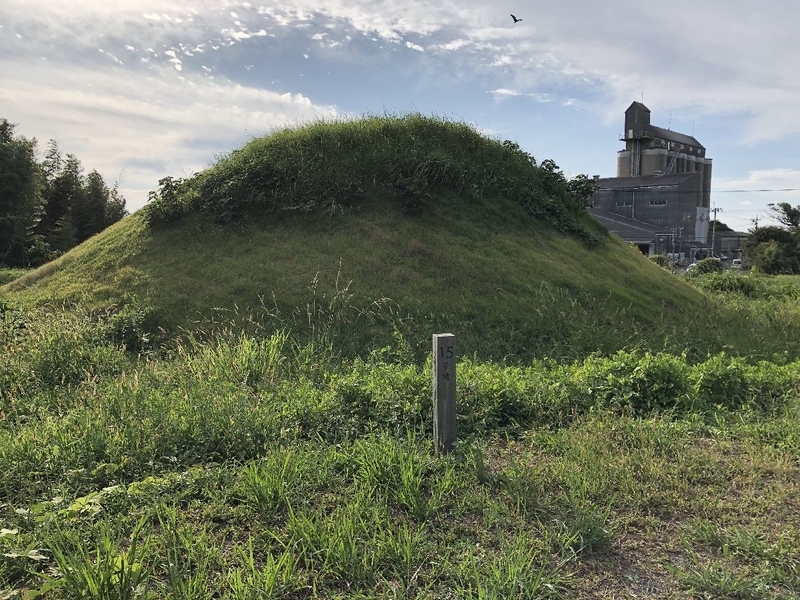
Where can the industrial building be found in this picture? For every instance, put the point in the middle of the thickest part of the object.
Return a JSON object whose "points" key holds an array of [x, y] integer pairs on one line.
{"points": [[661, 196]]}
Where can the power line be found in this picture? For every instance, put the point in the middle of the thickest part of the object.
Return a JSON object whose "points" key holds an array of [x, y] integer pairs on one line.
{"points": [[695, 192], [759, 190]]}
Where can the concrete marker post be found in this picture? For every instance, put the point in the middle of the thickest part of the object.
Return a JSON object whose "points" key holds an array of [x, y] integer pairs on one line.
{"points": [[444, 392]]}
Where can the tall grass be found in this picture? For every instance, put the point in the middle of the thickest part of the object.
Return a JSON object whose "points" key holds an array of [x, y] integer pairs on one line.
{"points": [[8, 275], [249, 466]]}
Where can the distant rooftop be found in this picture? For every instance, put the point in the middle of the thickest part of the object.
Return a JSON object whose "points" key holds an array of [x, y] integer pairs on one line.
{"points": [[674, 136], [673, 179], [637, 118]]}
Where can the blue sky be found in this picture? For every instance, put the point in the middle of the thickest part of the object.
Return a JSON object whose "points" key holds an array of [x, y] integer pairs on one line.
{"points": [[141, 89]]}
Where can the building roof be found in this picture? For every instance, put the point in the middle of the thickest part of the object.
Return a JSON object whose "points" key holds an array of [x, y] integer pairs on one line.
{"points": [[674, 136], [640, 105], [672, 179], [630, 230]]}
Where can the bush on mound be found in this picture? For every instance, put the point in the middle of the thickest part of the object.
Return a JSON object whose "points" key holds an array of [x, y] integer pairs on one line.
{"points": [[328, 166]]}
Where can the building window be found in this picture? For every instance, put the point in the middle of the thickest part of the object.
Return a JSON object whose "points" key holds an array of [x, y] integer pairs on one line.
{"points": [[623, 203], [658, 202]]}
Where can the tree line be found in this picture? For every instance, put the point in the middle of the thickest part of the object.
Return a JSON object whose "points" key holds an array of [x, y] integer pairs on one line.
{"points": [[48, 206]]}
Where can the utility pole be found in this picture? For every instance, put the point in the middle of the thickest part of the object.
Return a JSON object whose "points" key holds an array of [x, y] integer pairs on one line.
{"points": [[715, 210], [755, 222]]}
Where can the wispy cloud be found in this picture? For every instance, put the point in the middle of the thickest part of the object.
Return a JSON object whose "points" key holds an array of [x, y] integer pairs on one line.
{"points": [[185, 121], [772, 179], [746, 197], [500, 93]]}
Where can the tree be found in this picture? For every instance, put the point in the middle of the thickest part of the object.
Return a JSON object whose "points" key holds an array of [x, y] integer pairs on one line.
{"points": [[48, 207], [20, 195], [89, 208], [718, 226], [62, 194], [52, 163], [785, 214], [115, 206], [774, 249], [581, 188]]}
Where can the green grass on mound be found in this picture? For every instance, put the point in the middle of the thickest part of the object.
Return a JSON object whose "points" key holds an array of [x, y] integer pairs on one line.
{"points": [[504, 284], [352, 234], [330, 166]]}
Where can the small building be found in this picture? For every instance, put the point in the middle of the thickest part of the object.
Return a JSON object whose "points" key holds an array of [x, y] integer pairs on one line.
{"points": [[663, 181], [727, 243]]}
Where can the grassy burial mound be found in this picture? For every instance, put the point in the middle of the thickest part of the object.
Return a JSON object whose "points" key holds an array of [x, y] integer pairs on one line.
{"points": [[237, 465], [349, 233]]}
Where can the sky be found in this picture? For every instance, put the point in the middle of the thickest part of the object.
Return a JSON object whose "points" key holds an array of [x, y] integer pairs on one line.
{"points": [[143, 89]]}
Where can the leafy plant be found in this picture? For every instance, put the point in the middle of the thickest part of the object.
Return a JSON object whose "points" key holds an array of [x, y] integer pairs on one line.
{"points": [[114, 571]]}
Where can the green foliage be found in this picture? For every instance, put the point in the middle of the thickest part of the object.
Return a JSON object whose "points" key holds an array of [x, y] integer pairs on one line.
{"points": [[708, 265], [242, 466], [733, 283], [519, 572], [786, 214], [631, 380], [20, 196], [715, 579], [517, 291], [774, 250], [189, 555], [49, 350], [720, 380], [130, 326], [272, 484], [661, 260], [328, 167], [168, 203], [47, 208], [7, 275], [118, 569]]}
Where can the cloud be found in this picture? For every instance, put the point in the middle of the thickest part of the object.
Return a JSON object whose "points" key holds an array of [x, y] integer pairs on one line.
{"points": [[184, 120], [501, 93], [743, 198], [765, 179], [506, 92], [723, 57]]}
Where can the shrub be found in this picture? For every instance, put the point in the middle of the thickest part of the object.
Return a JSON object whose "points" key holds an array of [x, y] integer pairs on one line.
{"points": [[661, 260], [709, 265], [130, 327], [169, 203], [631, 380], [721, 380], [8, 275], [730, 283]]}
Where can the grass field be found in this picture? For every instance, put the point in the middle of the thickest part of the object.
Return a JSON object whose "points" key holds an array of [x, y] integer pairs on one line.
{"points": [[244, 467]]}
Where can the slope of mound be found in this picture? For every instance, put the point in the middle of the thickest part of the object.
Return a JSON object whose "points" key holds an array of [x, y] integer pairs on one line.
{"points": [[504, 285], [319, 231]]}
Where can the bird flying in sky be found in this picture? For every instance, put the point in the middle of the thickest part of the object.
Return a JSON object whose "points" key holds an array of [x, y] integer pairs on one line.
{"points": [[515, 19]]}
